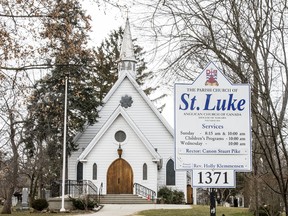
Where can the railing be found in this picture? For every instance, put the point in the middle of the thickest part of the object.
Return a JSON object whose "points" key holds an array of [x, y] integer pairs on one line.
{"points": [[100, 192], [144, 191], [74, 188]]}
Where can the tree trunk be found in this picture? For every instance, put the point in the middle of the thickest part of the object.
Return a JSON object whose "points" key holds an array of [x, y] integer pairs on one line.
{"points": [[256, 194], [8, 202], [31, 194], [13, 175], [285, 201]]}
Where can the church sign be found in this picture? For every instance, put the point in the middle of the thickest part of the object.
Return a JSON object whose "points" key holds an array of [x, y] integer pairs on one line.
{"points": [[212, 124]]}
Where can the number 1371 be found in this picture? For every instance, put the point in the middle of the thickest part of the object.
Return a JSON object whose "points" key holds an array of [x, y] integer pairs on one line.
{"points": [[213, 177]]}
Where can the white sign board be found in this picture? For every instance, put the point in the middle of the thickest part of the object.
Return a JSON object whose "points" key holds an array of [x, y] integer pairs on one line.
{"points": [[212, 123], [214, 178]]}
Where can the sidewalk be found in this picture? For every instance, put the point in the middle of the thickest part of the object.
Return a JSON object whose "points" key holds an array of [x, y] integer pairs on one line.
{"points": [[126, 209]]}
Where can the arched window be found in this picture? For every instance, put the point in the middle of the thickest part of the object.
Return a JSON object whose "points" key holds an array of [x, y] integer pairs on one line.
{"points": [[94, 176], [145, 171], [123, 66], [170, 173], [129, 67]]}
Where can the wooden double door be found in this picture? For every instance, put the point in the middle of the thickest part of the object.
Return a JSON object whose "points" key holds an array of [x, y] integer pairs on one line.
{"points": [[120, 177]]}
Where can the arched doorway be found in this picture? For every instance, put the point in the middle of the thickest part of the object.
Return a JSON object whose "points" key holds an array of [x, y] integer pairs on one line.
{"points": [[120, 178]]}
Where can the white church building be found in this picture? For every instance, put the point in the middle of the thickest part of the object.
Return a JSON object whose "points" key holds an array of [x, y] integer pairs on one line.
{"points": [[132, 143]]}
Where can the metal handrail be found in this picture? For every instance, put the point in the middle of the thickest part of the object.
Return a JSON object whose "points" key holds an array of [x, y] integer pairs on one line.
{"points": [[100, 192], [82, 186], [143, 191]]}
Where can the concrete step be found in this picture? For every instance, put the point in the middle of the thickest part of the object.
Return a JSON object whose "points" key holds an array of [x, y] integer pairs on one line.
{"points": [[123, 199]]}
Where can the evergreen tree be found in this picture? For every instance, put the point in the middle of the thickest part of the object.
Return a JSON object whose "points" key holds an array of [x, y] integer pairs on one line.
{"points": [[66, 34], [91, 75], [106, 65]]}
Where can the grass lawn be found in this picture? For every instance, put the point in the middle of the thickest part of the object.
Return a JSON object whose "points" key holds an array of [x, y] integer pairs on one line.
{"points": [[194, 211], [197, 211], [31, 213], [28, 213]]}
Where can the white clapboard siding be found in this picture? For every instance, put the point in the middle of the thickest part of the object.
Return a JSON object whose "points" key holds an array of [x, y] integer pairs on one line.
{"points": [[151, 124], [134, 152]]}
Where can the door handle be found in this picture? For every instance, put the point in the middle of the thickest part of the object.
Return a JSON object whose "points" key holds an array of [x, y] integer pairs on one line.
{"points": [[118, 180]]}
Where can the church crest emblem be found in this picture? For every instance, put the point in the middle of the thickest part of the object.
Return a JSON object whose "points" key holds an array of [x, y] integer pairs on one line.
{"points": [[211, 77]]}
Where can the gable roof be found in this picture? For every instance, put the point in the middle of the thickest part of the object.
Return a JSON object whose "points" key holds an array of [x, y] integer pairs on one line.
{"points": [[117, 112], [143, 95]]}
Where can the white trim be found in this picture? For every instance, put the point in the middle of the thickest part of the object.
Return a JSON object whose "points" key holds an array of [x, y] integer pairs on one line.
{"points": [[144, 96], [141, 92], [119, 111]]}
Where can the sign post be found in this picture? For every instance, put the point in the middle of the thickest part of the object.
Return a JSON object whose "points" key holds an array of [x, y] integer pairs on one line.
{"points": [[212, 202], [212, 129]]}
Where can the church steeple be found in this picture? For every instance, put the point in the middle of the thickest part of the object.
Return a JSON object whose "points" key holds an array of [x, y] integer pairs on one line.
{"points": [[127, 61]]}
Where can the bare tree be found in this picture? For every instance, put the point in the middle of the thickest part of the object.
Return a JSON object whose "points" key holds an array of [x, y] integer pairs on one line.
{"points": [[248, 40], [37, 36], [11, 118], [21, 44], [28, 33]]}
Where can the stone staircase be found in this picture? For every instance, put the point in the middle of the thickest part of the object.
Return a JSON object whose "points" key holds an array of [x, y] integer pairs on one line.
{"points": [[123, 199]]}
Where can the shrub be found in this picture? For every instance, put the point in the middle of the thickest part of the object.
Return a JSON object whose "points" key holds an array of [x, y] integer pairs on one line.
{"points": [[171, 196], [40, 204], [165, 194], [178, 197], [266, 210], [83, 204]]}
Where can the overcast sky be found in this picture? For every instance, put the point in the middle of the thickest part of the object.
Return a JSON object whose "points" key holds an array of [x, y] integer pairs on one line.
{"points": [[104, 21]]}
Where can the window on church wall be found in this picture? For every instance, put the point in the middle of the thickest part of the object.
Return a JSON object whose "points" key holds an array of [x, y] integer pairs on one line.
{"points": [[94, 175], [129, 67], [123, 66], [120, 136], [145, 170], [79, 171], [170, 173]]}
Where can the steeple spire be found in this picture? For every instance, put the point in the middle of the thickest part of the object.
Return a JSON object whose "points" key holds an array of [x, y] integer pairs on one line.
{"points": [[127, 61]]}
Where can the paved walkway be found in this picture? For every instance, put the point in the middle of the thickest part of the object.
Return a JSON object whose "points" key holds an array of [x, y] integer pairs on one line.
{"points": [[126, 209]]}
